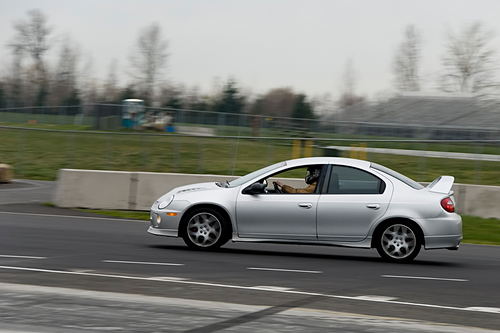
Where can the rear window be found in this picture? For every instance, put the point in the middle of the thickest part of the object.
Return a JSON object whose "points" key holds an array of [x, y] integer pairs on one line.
{"points": [[408, 181], [348, 180]]}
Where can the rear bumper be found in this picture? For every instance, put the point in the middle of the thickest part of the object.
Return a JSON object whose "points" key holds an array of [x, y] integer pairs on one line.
{"points": [[451, 242]]}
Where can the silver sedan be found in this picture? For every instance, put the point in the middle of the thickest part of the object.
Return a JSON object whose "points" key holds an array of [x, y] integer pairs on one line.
{"points": [[341, 202]]}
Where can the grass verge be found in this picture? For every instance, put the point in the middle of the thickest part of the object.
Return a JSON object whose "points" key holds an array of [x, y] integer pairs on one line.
{"points": [[39, 155], [477, 230], [137, 215]]}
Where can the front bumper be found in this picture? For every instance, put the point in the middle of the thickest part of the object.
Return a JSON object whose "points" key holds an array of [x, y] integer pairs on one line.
{"points": [[165, 222], [163, 232]]}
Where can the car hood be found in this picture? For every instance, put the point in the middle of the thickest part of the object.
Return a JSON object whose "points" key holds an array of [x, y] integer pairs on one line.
{"points": [[195, 187], [187, 189], [441, 184]]}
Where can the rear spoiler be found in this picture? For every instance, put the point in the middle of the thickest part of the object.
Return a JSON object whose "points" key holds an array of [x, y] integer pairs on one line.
{"points": [[442, 184]]}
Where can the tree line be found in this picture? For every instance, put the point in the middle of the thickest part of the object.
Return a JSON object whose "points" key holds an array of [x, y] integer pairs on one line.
{"points": [[468, 65]]}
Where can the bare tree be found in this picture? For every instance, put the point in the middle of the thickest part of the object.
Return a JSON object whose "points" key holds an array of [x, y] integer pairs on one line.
{"points": [[32, 37], [88, 83], [277, 102], [148, 60], [66, 73], [349, 77], [110, 86], [407, 61], [323, 104], [469, 62], [15, 79]]}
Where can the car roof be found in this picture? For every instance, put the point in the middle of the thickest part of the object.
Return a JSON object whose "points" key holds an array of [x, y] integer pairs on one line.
{"points": [[329, 160]]}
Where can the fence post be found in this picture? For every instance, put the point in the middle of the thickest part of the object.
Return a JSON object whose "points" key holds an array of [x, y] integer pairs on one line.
{"points": [[270, 151], [478, 163], [70, 149], [221, 119], [109, 151], [175, 153], [145, 151], [201, 157], [20, 153], [421, 163]]}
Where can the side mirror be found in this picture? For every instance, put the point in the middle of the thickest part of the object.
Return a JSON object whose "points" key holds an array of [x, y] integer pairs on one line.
{"points": [[255, 188]]}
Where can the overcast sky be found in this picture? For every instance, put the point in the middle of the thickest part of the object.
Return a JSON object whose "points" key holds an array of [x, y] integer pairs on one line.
{"points": [[263, 44]]}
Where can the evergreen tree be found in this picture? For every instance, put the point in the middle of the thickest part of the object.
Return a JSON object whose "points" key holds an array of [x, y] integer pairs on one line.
{"points": [[128, 93], [41, 96], [231, 100], [174, 102], [73, 99], [302, 108], [3, 100]]}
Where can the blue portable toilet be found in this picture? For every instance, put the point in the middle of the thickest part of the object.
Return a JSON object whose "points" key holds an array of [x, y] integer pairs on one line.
{"points": [[132, 112]]}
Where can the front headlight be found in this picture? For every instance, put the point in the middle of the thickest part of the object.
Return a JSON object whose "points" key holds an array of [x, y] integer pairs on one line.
{"points": [[165, 202]]}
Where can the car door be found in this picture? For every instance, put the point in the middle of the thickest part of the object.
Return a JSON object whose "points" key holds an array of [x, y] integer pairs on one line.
{"points": [[354, 200], [277, 216]]}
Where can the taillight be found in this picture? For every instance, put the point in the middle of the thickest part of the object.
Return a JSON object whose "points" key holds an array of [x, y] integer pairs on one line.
{"points": [[448, 205]]}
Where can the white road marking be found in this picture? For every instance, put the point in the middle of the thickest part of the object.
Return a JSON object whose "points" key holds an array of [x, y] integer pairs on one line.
{"points": [[375, 298], [423, 278], [76, 217], [283, 270], [81, 270], [22, 257], [143, 263], [220, 285], [40, 186], [485, 309], [273, 288], [167, 278]]}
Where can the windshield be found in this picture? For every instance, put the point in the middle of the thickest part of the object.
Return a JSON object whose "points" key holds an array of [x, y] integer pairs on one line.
{"points": [[255, 174], [408, 181]]}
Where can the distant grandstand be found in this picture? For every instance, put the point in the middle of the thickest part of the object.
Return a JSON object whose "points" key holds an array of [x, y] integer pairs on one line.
{"points": [[425, 116]]}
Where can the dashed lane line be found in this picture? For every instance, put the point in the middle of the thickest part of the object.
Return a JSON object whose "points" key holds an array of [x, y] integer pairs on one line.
{"points": [[20, 257], [220, 285], [142, 263], [423, 278], [283, 270]]}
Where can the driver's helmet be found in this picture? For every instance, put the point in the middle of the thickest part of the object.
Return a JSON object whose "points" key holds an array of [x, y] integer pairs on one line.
{"points": [[312, 174]]}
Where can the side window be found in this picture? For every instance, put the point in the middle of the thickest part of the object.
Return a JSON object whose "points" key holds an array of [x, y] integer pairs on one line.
{"points": [[298, 180], [347, 180]]}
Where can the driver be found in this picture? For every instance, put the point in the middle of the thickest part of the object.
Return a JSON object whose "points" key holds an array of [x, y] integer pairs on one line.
{"points": [[312, 176]]}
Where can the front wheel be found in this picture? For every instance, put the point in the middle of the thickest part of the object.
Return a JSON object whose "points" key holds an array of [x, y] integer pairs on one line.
{"points": [[398, 242], [205, 229]]}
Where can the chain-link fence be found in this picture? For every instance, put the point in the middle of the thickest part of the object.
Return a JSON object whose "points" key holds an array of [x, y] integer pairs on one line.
{"points": [[418, 118], [40, 153], [191, 141]]}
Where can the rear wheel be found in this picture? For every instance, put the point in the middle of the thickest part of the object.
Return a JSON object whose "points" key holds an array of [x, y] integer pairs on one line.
{"points": [[205, 229], [398, 242]]}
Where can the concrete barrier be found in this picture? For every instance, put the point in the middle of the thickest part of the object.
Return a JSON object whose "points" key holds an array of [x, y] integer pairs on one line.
{"points": [[95, 189], [5, 173], [138, 190]]}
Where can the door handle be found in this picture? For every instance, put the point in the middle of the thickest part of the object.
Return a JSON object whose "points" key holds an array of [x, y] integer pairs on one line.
{"points": [[373, 206], [305, 205]]}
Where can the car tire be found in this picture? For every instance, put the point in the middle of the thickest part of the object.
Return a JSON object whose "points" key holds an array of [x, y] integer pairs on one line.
{"points": [[205, 229], [398, 241]]}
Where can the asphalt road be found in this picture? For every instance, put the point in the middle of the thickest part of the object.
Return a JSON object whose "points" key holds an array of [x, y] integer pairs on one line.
{"points": [[66, 271]]}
